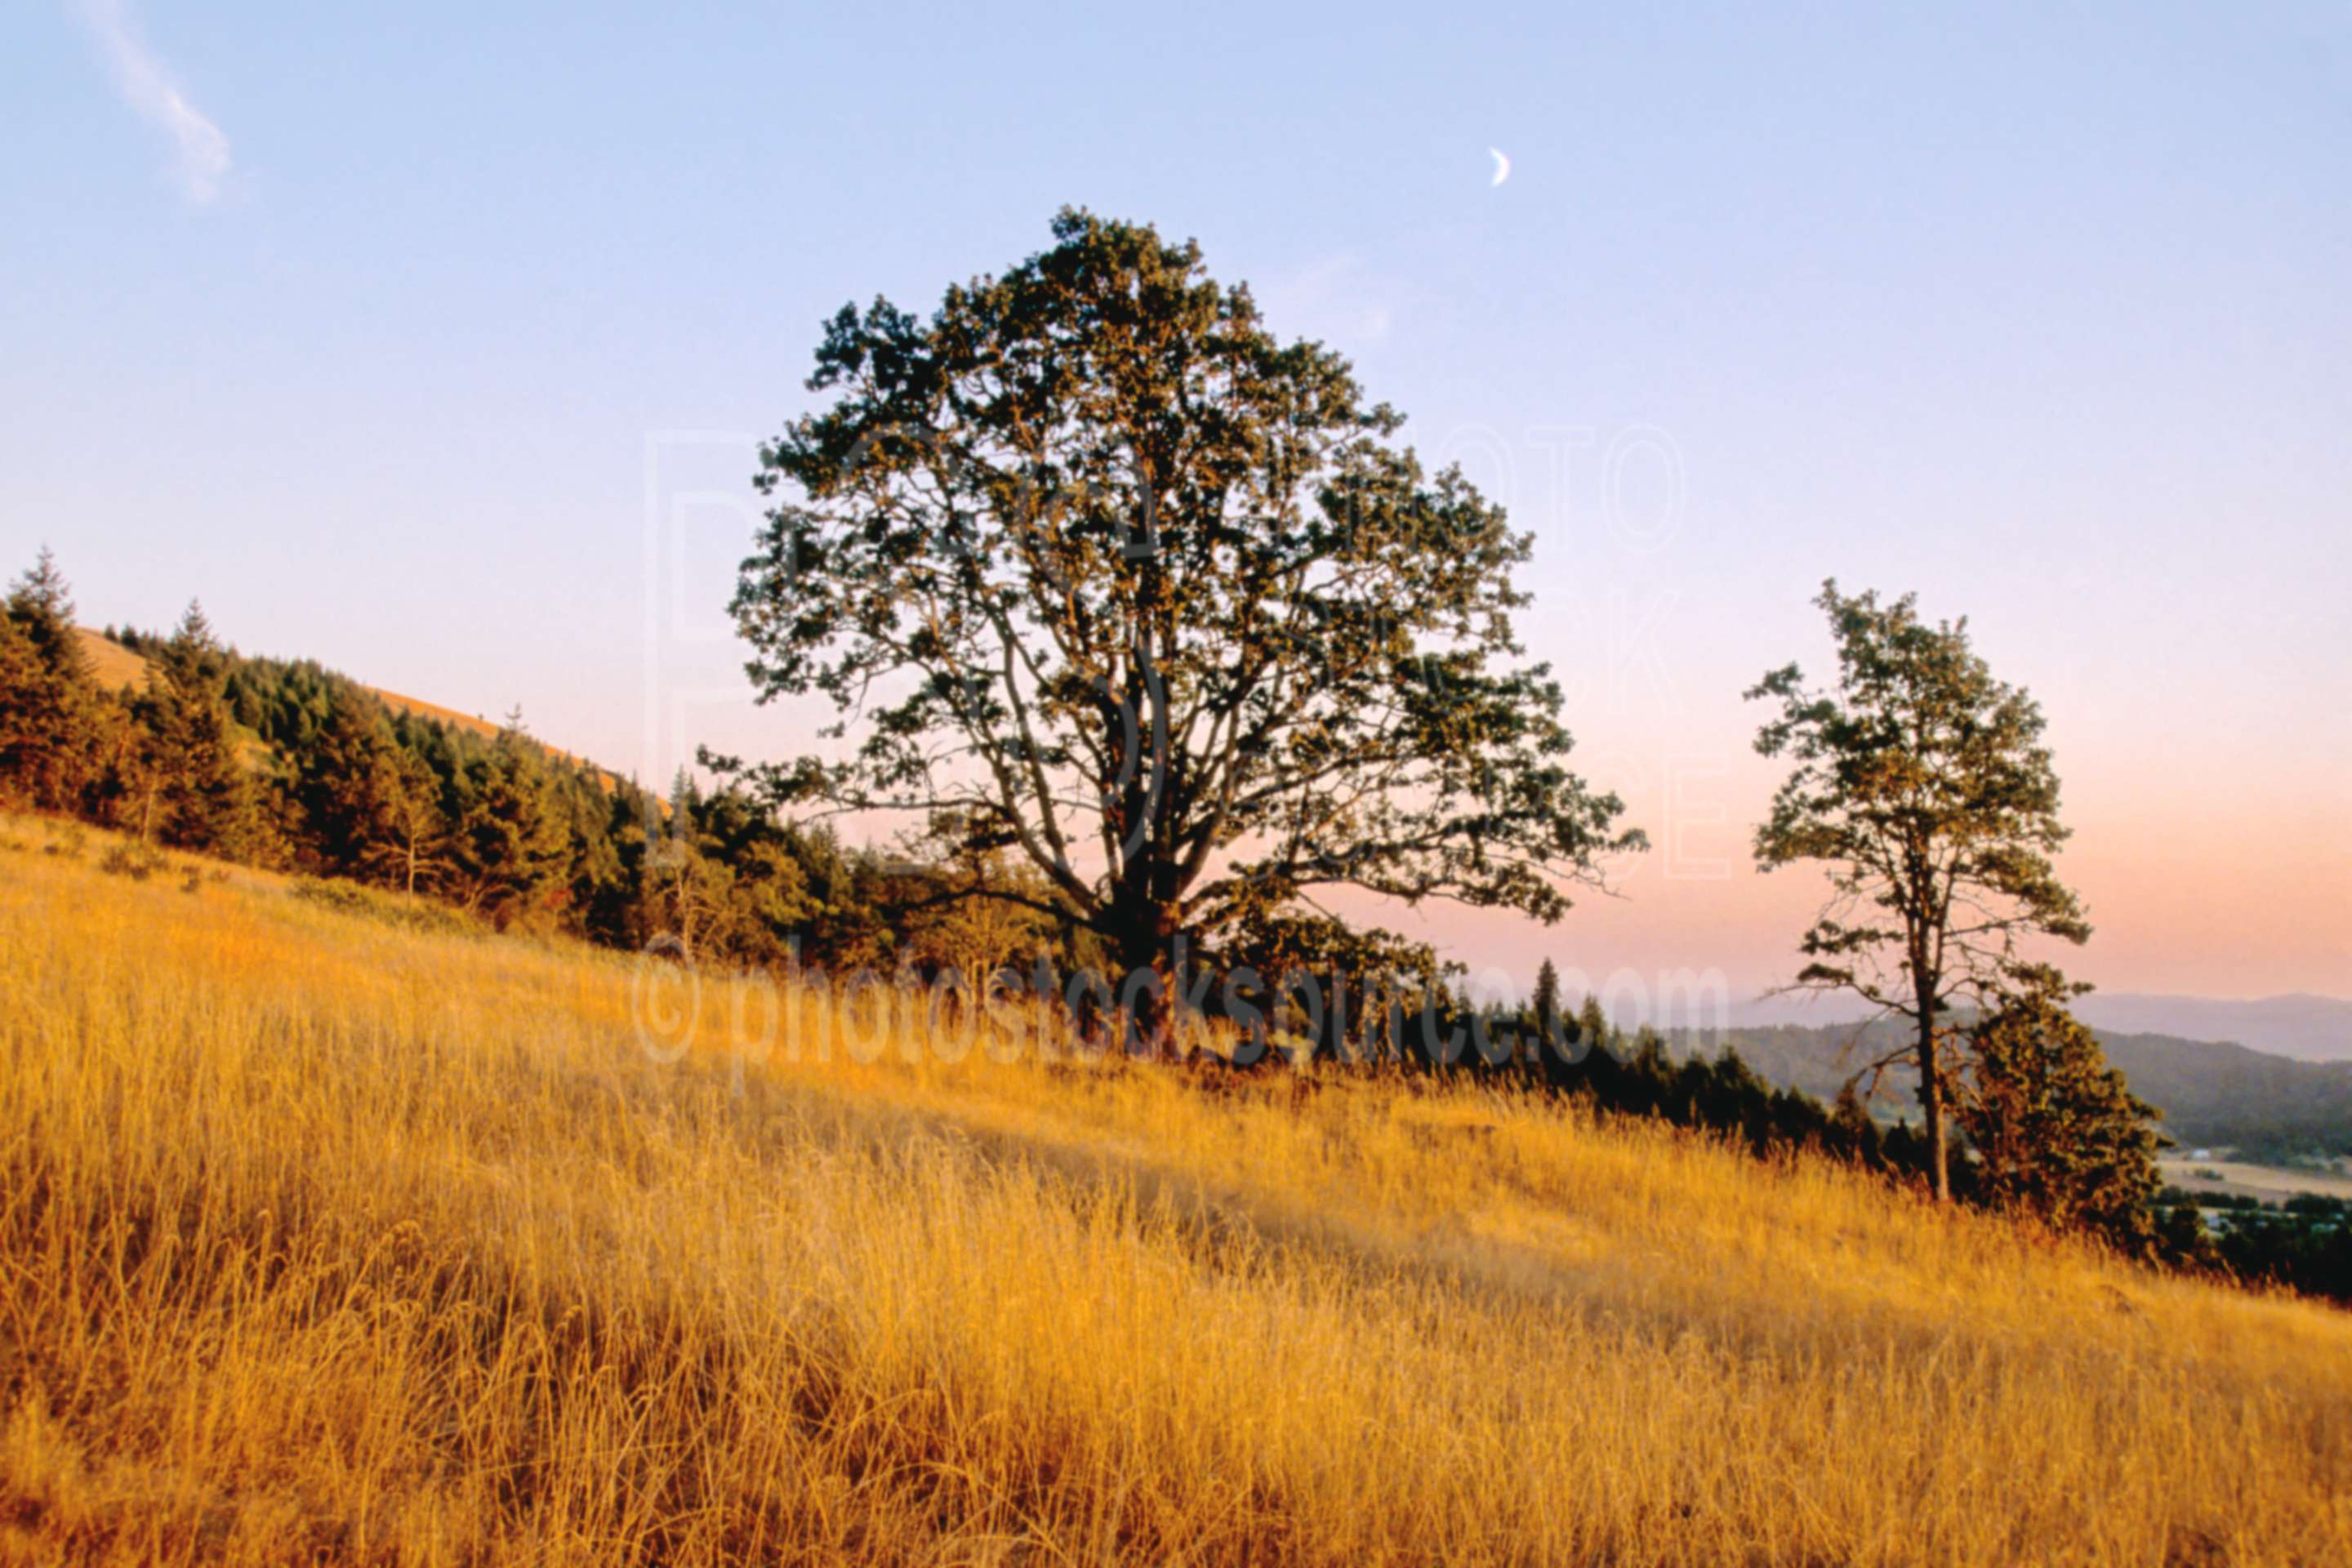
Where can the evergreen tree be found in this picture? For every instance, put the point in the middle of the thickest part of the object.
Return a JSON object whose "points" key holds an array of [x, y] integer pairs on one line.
{"points": [[779, 875], [1592, 1026], [2056, 1131], [202, 798], [50, 719], [348, 781], [510, 851], [1853, 1132], [1551, 1031], [688, 893]]}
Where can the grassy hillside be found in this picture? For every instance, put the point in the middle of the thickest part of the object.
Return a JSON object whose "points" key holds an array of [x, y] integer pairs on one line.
{"points": [[111, 665], [329, 1233]]}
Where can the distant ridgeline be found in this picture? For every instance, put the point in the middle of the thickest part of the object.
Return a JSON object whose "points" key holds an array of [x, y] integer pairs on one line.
{"points": [[2269, 1109], [179, 742]]}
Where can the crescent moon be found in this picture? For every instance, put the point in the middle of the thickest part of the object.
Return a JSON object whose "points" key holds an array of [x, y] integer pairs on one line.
{"points": [[1502, 166]]}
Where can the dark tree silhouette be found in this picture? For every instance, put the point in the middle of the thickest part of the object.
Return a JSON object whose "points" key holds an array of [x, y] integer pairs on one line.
{"points": [[1123, 582], [1923, 784]]}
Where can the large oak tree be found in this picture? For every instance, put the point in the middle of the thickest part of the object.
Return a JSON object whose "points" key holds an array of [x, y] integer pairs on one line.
{"points": [[1095, 565]]}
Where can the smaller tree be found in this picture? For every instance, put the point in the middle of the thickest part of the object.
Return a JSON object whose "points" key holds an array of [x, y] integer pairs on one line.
{"points": [[415, 852], [2057, 1133], [1547, 999], [980, 936], [514, 836], [347, 784], [203, 795], [1547, 1032], [1592, 1026], [1923, 784], [686, 887]]}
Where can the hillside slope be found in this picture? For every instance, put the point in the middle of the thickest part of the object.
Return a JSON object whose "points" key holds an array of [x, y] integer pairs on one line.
{"points": [[2309, 1028], [116, 666], [329, 1236]]}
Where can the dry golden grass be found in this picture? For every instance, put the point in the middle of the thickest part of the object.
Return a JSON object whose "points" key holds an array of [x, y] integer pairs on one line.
{"points": [[327, 1239], [111, 665]]}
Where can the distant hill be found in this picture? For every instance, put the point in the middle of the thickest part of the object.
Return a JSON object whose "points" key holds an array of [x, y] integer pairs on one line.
{"points": [[2269, 1107], [2306, 1027], [2314, 1028], [116, 666]]}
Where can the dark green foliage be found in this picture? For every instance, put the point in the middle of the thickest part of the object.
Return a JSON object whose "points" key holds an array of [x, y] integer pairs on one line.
{"points": [[513, 838], [1586, 1056], [2056, 1131], [51, 732], [282, 762], [2303, 1244], [347, 786], [1311, 983], [2182, 1239], [1550, 1028], [202, 797]]}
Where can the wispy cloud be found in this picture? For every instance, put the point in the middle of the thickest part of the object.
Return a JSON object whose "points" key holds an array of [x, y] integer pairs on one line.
{"points": [[200, 152]]}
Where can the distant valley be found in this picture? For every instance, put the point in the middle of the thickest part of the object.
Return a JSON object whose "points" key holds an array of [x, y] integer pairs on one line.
{"points": [[2306, 1027], [2271, 1108]]}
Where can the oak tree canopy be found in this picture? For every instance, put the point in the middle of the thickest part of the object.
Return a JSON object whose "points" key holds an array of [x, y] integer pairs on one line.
{"points": [[1090, 562]]}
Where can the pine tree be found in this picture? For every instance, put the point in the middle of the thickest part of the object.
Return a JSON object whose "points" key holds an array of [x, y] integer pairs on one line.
{"points": [[347, 784], [1551, 1036], [1592, 1026], [2057, 1132], [49, 718], [201, 797], [513, 841], [1854, 1133]]}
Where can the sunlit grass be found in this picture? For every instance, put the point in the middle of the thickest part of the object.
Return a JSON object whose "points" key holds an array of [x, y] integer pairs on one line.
{"points": [[325, 1237]]}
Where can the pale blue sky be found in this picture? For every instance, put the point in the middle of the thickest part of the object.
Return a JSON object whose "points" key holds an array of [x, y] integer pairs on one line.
{"points": [[2043, 312]]}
